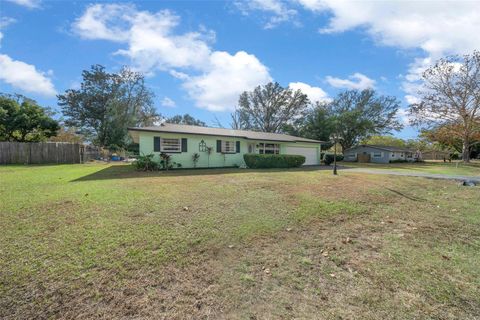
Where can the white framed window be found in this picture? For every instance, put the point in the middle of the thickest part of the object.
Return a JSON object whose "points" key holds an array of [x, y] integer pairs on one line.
{"points": [[228, 146], [409, 155], [268, 148], [170, 145], [377, 154], [393, 154]]}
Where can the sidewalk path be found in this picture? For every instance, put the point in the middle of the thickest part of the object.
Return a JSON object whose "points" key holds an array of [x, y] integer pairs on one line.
{"points": [[414, 174]]}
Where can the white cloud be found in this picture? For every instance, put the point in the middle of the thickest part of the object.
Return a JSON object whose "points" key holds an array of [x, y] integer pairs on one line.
{"points": [[403, 116], [228, 76], [31, 4], [213, 79], [278, 10], [179, 75], [151, 42], [167, 102], [22, 75], [437, 27], [5, 22], [313, 93], [411, 99], [25, 77], [356, 81], [412, 81], [106, 22]]}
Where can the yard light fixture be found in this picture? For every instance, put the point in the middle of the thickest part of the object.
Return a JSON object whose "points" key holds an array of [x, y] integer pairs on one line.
{"points": [[335, 158], [334, 137]]}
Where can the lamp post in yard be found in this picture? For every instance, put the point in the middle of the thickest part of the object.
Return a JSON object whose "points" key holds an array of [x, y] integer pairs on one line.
{"points": [[334, 137], [334, 154]]}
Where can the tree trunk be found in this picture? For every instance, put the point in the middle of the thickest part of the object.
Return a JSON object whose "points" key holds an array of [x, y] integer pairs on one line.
{"points": [[466, 151]]}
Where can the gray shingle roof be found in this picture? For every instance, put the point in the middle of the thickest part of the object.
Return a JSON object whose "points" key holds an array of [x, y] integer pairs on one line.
{"points": [[388, 148], [251, 135]]}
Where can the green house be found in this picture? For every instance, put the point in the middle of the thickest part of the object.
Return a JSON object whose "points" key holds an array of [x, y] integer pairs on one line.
{"points": [[218, 147]]}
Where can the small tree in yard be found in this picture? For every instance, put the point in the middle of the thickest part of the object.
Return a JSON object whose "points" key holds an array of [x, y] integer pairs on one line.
{"points": [[23, 120], [209, 151], [195, 158], [106, 104], [165, 161], [450, 97], [146, 163]]}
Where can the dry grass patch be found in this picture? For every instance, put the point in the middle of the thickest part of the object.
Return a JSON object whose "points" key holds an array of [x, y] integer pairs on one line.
{"points": [[249, 245], [434, 167]]}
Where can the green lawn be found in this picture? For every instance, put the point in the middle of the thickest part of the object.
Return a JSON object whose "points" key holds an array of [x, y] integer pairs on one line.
{"points": [[103, 241], [436, 167]]}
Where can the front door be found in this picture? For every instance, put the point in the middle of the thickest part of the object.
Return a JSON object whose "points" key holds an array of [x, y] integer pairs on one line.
{"points": [[251, 148]]}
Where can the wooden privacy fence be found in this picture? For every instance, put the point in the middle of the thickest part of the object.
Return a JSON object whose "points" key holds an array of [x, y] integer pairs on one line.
{"points": [[40, 152], [89, 152]]}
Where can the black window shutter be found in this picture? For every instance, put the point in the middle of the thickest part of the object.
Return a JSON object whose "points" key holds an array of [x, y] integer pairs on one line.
{"points": [[184, 144], [156, 144], [219, 146], [238, 147]]}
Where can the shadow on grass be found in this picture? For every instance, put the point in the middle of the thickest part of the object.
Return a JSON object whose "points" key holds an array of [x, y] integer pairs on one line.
{"points": [[127, 172], [413, 198]]}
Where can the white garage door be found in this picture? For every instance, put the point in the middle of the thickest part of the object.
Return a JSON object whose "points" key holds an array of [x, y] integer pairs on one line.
{"points": [[309, 153]]}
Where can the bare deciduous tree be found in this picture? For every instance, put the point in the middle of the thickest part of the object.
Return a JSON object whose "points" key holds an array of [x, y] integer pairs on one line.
{"points": [[450, 95], [240, 120]]}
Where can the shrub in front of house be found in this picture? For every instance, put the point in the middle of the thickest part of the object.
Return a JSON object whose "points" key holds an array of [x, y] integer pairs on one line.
{"points": [[145, 162], [398, 161], [328, 158], [455, 156], [256, 161]]}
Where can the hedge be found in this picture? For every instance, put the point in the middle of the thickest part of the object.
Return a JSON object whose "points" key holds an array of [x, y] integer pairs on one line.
{"points": [[328, 158], [255, 161], [398, 161]]}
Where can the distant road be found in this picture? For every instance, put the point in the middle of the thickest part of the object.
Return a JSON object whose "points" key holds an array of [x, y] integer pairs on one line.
{"points": [[413, 174]]}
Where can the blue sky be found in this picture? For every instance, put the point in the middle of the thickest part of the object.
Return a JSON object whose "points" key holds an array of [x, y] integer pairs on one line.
{"points": [[199, 55]]}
